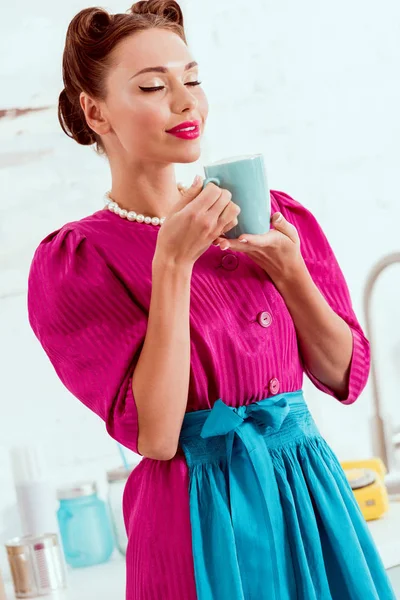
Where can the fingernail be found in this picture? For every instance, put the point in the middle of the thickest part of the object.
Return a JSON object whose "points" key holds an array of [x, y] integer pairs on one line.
{"points": [[224, 247], [196, 180], [278, 218], [243, 240]]}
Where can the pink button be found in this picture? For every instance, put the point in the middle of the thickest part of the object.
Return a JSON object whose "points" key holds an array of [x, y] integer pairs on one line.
{"points": [[264, 319], [274, 386], [230, 262]]}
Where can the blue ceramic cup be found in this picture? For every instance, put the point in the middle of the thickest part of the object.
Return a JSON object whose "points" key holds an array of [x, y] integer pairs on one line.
{"points": [[245, 177]]}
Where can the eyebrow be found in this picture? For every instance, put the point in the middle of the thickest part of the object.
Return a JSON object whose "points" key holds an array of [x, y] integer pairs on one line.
{"points": [[163, 69]]}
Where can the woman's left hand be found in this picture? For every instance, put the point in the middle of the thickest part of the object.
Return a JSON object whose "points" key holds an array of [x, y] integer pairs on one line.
{"points": [[277, 251]]}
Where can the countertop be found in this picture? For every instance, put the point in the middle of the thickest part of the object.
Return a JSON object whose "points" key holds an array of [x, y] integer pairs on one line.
{"points": [[108, 580], [386, 533]]}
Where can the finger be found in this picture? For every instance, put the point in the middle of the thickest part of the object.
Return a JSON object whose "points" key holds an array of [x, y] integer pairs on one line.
{"points": [[229, 226], [254, 239], [190, 193], [208, 197], [279, 223], [220, 209], [181, 187], [248, 242]]}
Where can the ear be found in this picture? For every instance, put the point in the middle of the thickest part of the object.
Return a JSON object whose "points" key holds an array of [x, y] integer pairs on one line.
{"points": [[94, 114]]}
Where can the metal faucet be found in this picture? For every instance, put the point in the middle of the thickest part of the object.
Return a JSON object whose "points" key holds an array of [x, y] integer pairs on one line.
{"points": [[383, 433]]}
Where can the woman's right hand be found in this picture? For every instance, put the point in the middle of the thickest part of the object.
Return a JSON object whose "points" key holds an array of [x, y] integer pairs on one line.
{"points": [[199, 218]]}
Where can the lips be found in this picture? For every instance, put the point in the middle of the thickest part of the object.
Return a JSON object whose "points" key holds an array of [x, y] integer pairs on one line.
{"points": [[188, 125], [186, 130]]}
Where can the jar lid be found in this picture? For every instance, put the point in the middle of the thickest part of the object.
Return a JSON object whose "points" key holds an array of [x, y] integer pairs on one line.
{"points": [[77, 490], [119, 474], [21, 544]]}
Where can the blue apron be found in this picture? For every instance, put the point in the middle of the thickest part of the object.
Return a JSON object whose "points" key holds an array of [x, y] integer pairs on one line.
{"points": [[273, 516]]}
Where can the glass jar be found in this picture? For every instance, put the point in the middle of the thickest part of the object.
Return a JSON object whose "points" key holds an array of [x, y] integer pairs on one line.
{"points": [[85, 526], [116, 485], [36, 565]]}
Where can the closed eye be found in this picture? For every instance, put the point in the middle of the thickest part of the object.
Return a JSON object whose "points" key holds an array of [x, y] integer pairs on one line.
{"points": [[161, 87]]}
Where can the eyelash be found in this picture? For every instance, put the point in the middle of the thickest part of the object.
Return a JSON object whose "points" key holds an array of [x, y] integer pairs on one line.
{"points": [[157, 89]]}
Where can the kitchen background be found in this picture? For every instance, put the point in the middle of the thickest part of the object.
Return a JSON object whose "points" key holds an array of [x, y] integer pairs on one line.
{"points": [[313, 86]]}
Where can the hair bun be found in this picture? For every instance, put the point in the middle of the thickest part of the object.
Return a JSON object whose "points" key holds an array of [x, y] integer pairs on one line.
{"points": [[89, 25], [167, 9], [73, 122]]}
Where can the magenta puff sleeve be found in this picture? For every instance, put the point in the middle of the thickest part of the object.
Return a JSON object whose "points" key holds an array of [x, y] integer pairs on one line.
{"points": [[90, 327], [327, 275]]}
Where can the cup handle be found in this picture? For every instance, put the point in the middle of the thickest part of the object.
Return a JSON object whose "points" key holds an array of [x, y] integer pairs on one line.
{"points": [[211, 180]]}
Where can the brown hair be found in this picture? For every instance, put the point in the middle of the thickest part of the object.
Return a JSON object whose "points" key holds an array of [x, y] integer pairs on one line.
{"points": [[91, 36]]}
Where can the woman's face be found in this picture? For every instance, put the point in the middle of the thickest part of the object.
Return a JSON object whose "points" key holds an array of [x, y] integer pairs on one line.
{"points": [[141, 107]]}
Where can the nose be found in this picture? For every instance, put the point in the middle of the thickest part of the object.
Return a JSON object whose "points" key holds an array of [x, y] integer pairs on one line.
{"points": [[184, 100]]}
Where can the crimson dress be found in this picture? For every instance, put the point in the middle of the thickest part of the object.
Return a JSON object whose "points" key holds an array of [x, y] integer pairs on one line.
{"points": [[88, 300]]}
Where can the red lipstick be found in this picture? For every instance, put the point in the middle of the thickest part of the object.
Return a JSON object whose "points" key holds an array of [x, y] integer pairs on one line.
{"points": [[188, 130]]}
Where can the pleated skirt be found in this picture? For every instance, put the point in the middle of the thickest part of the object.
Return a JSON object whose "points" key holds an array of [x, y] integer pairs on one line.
{"points": [[272, 514]]}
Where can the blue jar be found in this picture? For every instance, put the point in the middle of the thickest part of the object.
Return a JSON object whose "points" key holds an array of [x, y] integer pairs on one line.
{"points": [[85, 526]]}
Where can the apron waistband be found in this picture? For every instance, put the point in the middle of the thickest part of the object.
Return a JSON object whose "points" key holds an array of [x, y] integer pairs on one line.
{"points": [[208, 435]]}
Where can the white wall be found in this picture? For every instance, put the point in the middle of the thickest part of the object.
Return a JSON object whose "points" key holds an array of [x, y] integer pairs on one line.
{"points": [[314, 87]]}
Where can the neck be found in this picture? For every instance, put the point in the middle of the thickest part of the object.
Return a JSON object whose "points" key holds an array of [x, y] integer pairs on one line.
{"points": [[147, 189]]}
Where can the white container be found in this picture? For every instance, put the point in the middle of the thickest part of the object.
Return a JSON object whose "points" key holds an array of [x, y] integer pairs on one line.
{"points": [[37, 503]]}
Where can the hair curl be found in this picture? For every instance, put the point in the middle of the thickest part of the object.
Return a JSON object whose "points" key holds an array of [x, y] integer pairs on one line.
{"points": [[91, 36]]}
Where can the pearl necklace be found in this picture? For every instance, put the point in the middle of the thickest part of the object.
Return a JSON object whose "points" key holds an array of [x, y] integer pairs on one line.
{"points": [[131, 215]]}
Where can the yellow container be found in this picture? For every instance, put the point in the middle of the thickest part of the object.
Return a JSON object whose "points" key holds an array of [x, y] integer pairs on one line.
{"points": [[366, 478]]}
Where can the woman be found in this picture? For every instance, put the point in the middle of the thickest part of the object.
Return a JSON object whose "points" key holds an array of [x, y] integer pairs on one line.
{"points": [[192, 347]]}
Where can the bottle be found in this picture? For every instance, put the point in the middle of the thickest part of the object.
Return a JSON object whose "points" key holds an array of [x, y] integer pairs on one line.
{"points": [[35, 495], [85, 525]]}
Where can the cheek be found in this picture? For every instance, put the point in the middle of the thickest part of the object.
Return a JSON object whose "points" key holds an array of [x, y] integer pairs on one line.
{"points": [[203, 105], [140, 116], [151, 118]]}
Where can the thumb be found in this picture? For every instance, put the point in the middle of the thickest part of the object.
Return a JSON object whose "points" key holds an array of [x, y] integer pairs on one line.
{"points": [[279, 222], [190, 193]]}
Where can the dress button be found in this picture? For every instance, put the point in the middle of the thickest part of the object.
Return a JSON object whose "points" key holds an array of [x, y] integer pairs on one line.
{"points": [[230, 262], [274, 386], [264, 319]]}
